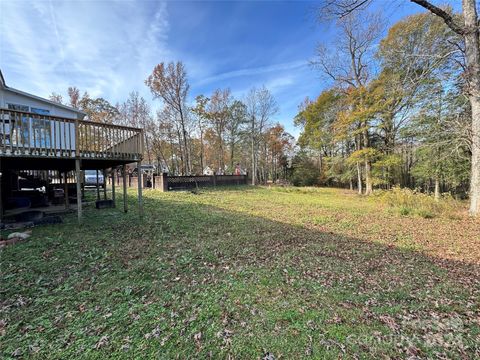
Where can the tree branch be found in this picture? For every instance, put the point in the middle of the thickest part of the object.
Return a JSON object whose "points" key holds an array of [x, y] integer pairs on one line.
{"points": [[447, 18]]}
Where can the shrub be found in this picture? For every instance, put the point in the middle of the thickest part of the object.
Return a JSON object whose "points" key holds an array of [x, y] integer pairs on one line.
{"points": [[305, 171], [404, 210], [410, 202]]}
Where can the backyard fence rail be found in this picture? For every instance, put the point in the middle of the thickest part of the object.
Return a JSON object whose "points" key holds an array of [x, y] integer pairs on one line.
{"points": [[169, 183]]}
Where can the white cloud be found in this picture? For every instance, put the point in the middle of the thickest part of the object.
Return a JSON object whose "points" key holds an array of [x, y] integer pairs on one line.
{"points": [[108, 48], [253, 71], [105, 48]]}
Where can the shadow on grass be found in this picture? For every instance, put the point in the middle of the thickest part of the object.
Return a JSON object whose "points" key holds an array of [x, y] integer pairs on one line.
{"points": [[197, 281]]}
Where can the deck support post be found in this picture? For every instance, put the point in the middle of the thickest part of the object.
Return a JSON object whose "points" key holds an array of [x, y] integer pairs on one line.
{"points": [[1, 193], [65, 189], [104, 184], [140, 187], [98, 188], [125, 208], [79, 190], [113, 185]]}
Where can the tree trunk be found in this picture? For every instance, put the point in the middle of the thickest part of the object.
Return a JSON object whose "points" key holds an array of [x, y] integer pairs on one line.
{"points": [[201, 151], [254, 168], [186, 156], [358, 146], [149, 157], [472, 54], [368, 177], [232, 149], [359, 179], [368, 166], [437, 189], [180, 151]]}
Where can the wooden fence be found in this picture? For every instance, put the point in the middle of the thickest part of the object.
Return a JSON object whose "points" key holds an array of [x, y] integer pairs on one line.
{"points": [[169, 183]]}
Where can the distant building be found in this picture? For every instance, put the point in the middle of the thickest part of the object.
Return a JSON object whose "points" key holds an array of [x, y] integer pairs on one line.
{"points": [[207, 171]]}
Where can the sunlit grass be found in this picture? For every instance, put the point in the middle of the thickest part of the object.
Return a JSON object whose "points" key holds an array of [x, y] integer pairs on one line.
{"points": [[242, 272]]}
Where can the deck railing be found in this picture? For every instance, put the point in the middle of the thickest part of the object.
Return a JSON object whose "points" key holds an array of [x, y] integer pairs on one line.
{"points": [[25, 134]]}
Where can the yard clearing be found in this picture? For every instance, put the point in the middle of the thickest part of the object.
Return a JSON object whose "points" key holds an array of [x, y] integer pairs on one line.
{"points": [[244, 273]]}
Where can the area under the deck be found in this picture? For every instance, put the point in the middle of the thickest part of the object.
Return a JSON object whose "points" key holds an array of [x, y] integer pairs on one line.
{"points": [[61, 164], [48, 210]]}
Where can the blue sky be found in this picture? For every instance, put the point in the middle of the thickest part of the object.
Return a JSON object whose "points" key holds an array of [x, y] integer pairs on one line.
{"points": [[109, 47]]}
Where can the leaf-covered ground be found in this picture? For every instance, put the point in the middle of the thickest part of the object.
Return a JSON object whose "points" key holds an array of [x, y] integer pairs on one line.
{"points": [[244, 273]]}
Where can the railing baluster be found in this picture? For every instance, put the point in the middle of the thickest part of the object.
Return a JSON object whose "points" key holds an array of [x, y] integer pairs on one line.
{"points": [[13, 132], [4, 135]]}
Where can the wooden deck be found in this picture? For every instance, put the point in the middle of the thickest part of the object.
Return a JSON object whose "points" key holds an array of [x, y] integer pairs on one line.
{"points": [[28, 139]]}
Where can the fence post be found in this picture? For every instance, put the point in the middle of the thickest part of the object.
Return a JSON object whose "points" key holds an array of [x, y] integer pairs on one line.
{"points": [[214, 178], [164, 182]]}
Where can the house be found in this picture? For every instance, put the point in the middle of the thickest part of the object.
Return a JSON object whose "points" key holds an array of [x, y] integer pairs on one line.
{"points": [[14, 99], [37, 134]]}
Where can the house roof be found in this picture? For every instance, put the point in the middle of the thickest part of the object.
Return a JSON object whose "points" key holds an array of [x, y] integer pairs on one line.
{"points": [[4, 85], [2, 80]]}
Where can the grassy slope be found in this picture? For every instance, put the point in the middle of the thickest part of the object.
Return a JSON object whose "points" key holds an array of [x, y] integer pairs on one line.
{"points": [[243, 272]]}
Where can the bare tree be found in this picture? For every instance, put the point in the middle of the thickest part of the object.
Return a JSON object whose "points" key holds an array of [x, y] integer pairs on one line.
{"points": [[218, 116], [237, 120], [136, 112], [350, 66], [200, 112], [261, 106], [165, 142], [74, 96], [56, 98], [169, 83]]}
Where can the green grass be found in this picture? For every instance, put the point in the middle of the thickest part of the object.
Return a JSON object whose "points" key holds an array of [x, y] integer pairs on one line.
{"points": [[241, 272]]}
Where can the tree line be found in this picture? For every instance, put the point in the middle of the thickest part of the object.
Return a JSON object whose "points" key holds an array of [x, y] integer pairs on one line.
{"points": [[211, 134], [399, 110], [402, 108]]}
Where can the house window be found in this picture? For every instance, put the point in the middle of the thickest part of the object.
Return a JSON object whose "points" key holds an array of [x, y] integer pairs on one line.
{"points": [[18, 107], [40, 111]]}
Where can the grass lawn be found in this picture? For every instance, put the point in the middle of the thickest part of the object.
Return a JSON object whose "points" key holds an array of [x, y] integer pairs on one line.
{"points": [[243, 273]]}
